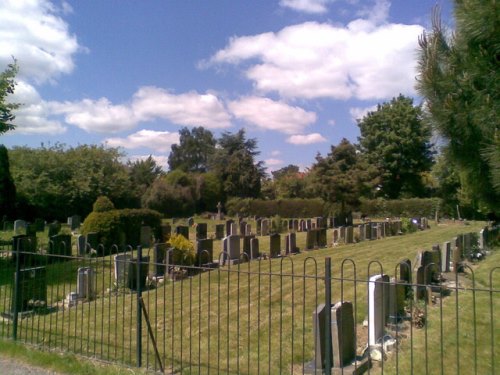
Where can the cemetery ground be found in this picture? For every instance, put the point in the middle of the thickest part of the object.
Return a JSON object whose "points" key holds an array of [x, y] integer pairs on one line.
{"points": [[256, 317]]}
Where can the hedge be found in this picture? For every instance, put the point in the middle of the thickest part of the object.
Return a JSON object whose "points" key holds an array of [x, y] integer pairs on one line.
{"points": [[283, 207], [424, 207]]}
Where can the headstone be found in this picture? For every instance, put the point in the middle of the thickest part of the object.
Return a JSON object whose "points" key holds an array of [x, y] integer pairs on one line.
{"points": [[54, 228], [19, 225], [248, 229], [30, 230], [254, 248], [374, 231], [32, 289], [121, 267], [60, 245], [311, 239], [321, 237], [146, 236], [190, 221], [295, 225], [274, 245], [361, 229], [201, 231], [342, 236], [74, 222], [81, 245], [92, 240], [182, 230], [446, 257], [233, 248], [302, 226], [204, 251], [160, 259], [378, 298], [219, 231], [243, 228], [40, 225], [132, 282], [246, 245], [26, 247], [234, 228], [483, 238], [349, 235], [291, 243], [166, 232], [86, 283], [309, 224], [343, 334], [423, 280], [264, 229], [319, 222], [336, 236], [405, 271], [229, 223], [258, 224], [467, 248]]}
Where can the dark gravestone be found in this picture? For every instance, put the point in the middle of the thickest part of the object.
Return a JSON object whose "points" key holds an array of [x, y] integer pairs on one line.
{"points": [[183, 231], [190, 221], [311, 239], [397, 297], [132, 273], [423, 280], [54, 228], [74, 222], [291, 243], [32, 290], [405, 271], [349, 235], [204, 251], [430, 260], [229, 224], [160, 259], [254, 248], [243, 228], [319, 327], [166, 232], [201, 231], [145, 236], [343, 334], [81, 245], [246, 245], [321, 237], [26, 246], [60, 246], [258, 224], [219, 231], [92, 240], [274, 245]]}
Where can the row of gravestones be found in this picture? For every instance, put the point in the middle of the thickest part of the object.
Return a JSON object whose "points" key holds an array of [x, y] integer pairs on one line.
{"points": [[38, 225]]}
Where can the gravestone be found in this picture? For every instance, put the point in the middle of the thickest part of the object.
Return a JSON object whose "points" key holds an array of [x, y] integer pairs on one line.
{"points": [[467, 246], [30, 230], [92, 240], [229, 223], [423, 280], [343, 335], [145, 236], [204, 251], [219, 231], [349, 235], [243, 228], [258, 224], [430, 260], [32, 289], [405, 271], [483, 238], [190, 221], [248, 229], [274, 245], [81, 245], [319, 222], [264, 229], [246, 245], [234, 228], [342, 235], [254, 248], [182, 230], [378, 301], [302, 226], [40, 225], [160, 259], [291, 243], [121, 267], [231, 246], [321, 237], [201, 231], [368, 231], [26, 247], [309, 224], [166, 232], [19, 225], [54, 228], [295, 225], [132, 282], [336, 236], [311, 239], [361, 229], [446, 257], [86, 283], [74, 222], [60, 245], [374, 231]]}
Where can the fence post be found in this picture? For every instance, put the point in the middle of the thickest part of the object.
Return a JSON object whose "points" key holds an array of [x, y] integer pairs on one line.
{"points": [[138, 308], [15, 312], [328, 316]]}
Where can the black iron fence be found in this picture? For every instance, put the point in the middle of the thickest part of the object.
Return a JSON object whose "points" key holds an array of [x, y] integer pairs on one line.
{"points": [[291, 315]]}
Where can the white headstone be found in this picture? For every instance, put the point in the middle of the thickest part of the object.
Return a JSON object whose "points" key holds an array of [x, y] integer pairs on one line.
{"points": [[378, 297]]}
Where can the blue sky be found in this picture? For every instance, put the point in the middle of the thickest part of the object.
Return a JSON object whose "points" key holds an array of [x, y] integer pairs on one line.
{"points": [[294, 73]]}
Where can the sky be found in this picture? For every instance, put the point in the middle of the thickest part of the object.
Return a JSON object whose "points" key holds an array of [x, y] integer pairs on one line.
{"points": [[296, 74]]}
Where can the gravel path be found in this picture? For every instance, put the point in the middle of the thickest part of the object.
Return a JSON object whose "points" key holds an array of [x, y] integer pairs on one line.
{"points": [[11, 366]]}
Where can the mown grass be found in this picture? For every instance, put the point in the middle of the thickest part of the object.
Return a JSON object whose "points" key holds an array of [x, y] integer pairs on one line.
{"points": [[255, 317]]}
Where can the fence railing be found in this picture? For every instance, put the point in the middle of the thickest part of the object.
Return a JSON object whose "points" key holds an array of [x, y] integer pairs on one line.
{"points": [[265, 316]]}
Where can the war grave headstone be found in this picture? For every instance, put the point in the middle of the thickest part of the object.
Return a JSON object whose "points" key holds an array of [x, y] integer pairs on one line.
{"points": [[204, 251], [121, 268], [132, 281], [201, 231], [19, 226], [219, 231], [32, 289], [254, 248], [146, 236], [86, 283], [378, 301], [291, 243], [81, 245], [295, 225], [446, 257], [274, 245], [264, 229], [182, 230], [160, 259]]}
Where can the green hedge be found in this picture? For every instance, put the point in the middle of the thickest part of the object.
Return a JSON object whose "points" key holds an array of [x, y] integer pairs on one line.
{"points": [[282, 207], [425, 207]]}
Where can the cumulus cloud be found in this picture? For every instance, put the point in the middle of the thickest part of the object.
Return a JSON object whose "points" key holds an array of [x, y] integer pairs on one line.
{"points": [[156, 140], [275, 153], [306, 139], [307, 6], [161, 160], [358, 113], [268, 114], [363, 60], [35, 34]]}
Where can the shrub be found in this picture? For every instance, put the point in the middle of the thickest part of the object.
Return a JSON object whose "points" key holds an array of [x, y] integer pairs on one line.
{"points": [[182, 250], [109, 227], [103, 204], [132, 219]]}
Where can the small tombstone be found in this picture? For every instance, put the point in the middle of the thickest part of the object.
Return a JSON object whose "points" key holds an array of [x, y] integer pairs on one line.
{"points": [[295, 225], [374, 231], [302, 226], [201, 231], [204, 251], [86, 283], [219, 231], [313, 225], [405, 271], [19, 225], [342, 234], [121, 267], [166, 232], [81, 245], [309, 224], [311, 240], [368, 231], [423, 280], [25, 247], [378, 300], [254, 248], [319, 222], [132, 282], [32, 289], [232, 248], [258, 224], [159, 259], [361, 230], [248, 229], [182, 230], [445, 257], [291, 243], [467, 247], [264, 230], [60, 245], [146, 236], [336, 236], [274, 245]]}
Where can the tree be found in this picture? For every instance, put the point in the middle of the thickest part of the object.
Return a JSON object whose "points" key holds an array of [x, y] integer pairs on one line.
{"points": [[7, 187], [341, 177], [193, 151], [234, 164], [289, 182], [143, 173], [396, 140], [7, 85], [459, 78]]}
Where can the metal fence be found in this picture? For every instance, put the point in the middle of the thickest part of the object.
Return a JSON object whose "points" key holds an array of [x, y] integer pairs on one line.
{"points": [[252, 317]]}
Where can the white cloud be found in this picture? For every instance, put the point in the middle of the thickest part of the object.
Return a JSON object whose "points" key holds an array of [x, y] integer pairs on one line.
{"points": [[273, 162], [38, 38], [161, 160], [307, 6], [275, 153], [306, 139], [358, 113], [363, 60], [189, 109], [272, 115], [378, 13], [156, 140]]}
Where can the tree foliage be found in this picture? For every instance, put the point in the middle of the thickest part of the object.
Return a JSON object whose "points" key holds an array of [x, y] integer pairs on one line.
{"points": [[193, 151], [459, 77], [7, 187], [7, 85], [143, 173], [396, 140]]}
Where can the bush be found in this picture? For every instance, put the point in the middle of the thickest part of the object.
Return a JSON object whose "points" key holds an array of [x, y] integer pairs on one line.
{"points": [[131, 221], [182, 250], [109, 227], [103, 204]]}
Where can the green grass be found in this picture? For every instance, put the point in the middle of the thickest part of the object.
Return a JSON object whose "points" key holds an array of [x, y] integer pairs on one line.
{"points": [[257, 319]]}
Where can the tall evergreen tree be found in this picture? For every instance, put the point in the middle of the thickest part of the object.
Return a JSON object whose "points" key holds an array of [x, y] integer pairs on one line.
{"points": [[459, 77], [193, 151]]}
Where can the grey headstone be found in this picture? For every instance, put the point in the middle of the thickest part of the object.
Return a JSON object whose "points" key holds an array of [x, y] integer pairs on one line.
{"points": [[86, 283], [146, 236], [291, 243], [446, 257], [264, 229], [121, 267], [132, 281], [19, 225], [254, 248], [233, 248], [81, 245]]}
